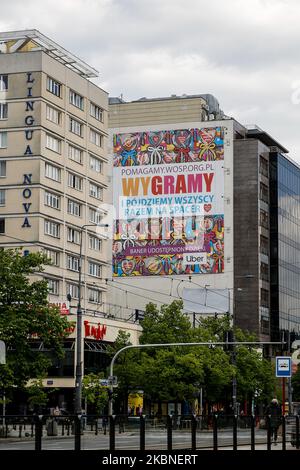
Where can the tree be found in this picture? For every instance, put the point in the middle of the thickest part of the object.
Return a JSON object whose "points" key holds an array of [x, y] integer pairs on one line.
{"points": [[254, 372], [127, 368], [170, 373], [95, 393], [37, 395], [177, 373], [25, 317], [296, 385]]}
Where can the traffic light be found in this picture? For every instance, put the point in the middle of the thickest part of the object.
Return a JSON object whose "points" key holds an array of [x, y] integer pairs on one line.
{"points": [[285, 338], [139, 315]]}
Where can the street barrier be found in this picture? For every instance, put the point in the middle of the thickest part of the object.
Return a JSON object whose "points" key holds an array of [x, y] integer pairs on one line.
{"points": [[212, 432]]}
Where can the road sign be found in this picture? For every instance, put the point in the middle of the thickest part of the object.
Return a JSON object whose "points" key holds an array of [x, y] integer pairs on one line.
{"points": [[113, 380], [283, 366], [104, 382]]}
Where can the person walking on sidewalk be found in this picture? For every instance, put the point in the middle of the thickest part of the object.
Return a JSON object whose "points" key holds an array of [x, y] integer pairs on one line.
{"points": [[274, 412]]}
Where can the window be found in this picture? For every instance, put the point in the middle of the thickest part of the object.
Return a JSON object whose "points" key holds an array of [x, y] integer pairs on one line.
{"points": [[2, 168], [264, 245], [75, 154], [73, 290], [2, 225], [2, 197], [3, 140], [52, 172], [263, 166], [54, 87], [96, 164], [53, 286], [96, 191], [51, 228], [264, 271], [76, 127], [72, 263], [53, 115], [94, 269], [95, 296], [264, 295], [96, 112], [264, 193], [74, 208], [95, 216], [95, 243], [52, 200], [53, 143], [74, 181], [3, 82], [96, 138], [53, 256], [76, 99], [3, 110], [264, 219], [73, 236]]}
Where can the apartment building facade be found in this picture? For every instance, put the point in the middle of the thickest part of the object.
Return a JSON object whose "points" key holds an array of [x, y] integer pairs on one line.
{"points": [[53, 184], [53, 132]]}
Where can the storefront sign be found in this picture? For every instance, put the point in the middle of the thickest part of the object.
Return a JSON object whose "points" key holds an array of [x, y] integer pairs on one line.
{"points": [[97, 331]]}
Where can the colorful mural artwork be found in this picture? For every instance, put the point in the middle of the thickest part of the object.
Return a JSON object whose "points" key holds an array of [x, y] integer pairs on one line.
{"points": [[161, 147], [169, 200]]}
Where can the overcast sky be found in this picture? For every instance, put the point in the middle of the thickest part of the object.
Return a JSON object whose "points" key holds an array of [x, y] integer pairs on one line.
{"points": [[246, 53]]}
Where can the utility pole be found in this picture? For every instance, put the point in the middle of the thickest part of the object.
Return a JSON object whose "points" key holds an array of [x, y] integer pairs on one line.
{"points": [[79, 372], [290, 390], [3, 361]]}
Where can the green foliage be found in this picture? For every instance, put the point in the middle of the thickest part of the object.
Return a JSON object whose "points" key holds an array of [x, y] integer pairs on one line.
{"points": [[176, 373], [127, 368], [25, 315], [296, 385], [255, 374], [94, 393], [37, 396]]}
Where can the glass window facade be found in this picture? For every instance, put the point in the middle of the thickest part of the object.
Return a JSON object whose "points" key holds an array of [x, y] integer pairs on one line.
{"points": [[285, 245]]}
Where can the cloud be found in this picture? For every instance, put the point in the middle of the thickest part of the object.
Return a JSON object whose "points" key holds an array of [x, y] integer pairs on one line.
{"points": [[244, 53]]}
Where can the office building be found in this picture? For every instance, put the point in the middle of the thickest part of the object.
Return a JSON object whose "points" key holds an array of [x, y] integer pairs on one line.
{"points": [[252, 252]]}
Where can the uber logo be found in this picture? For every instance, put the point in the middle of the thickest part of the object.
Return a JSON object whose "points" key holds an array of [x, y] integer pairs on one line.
{"points": [[194, 258]]}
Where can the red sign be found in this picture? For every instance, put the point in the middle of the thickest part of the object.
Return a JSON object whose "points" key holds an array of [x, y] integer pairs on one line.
{"points": [[64, 307], [70, 329], [97, 331]]}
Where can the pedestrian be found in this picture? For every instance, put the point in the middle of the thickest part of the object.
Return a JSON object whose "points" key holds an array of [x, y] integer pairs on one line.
{"points": [[274, 413]]}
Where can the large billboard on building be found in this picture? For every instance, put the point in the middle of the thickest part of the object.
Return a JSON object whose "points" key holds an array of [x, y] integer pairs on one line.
{"points": [[169, 202]]}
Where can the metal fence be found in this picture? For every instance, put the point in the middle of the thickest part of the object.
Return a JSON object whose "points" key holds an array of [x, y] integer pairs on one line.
{"points": [[119, 432]]}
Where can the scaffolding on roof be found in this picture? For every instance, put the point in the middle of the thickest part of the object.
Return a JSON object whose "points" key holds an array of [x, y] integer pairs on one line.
{"points": [[49, 47]]}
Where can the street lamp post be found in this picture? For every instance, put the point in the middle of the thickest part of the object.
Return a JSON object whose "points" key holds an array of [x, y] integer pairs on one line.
{"points": [[78, 378], [232, 338]]}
